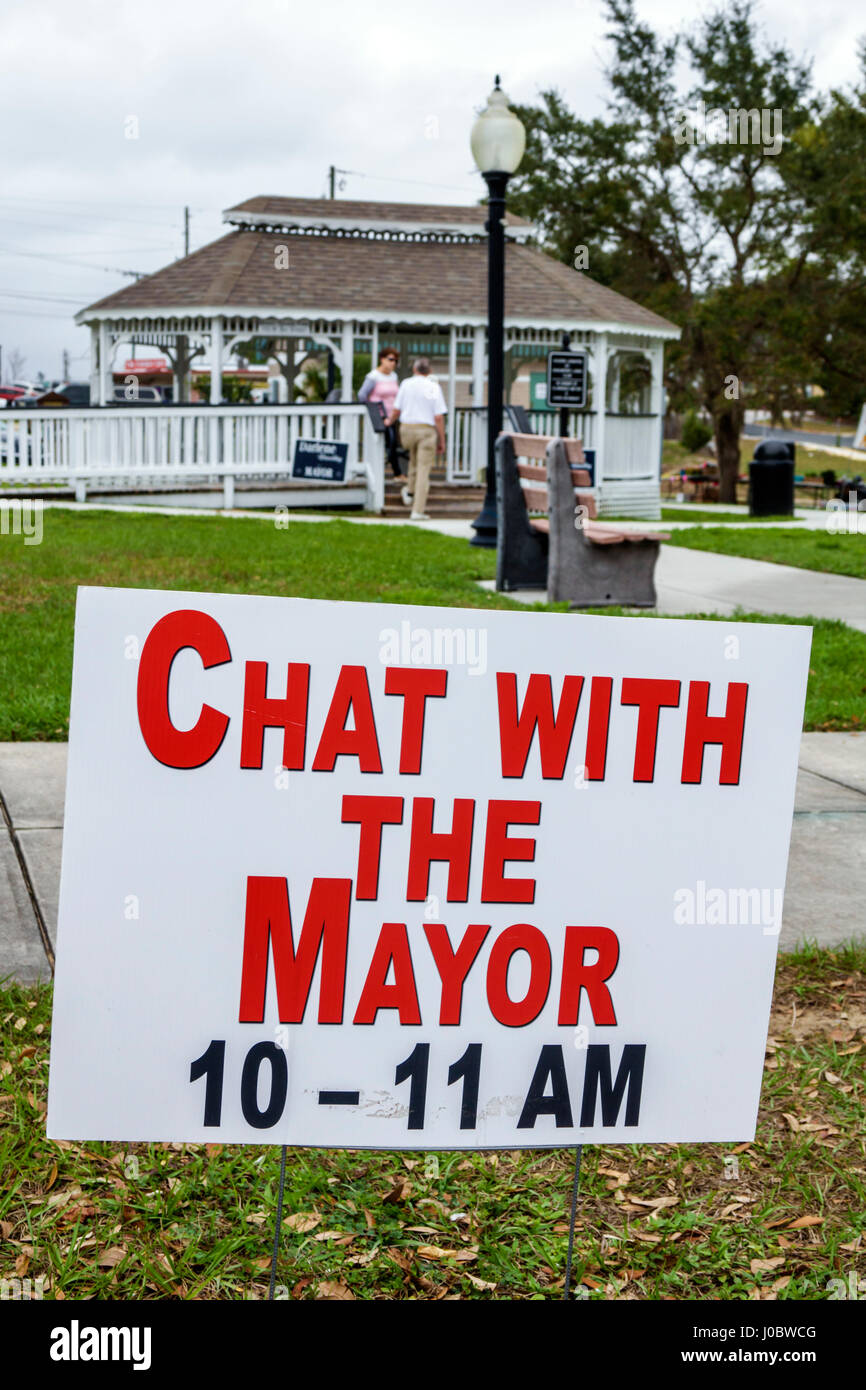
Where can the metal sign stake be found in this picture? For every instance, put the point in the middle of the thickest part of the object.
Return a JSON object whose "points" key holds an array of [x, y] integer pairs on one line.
{"points": [[577, 1156]]}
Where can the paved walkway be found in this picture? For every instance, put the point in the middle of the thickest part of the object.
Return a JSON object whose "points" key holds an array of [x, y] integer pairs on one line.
{"points": [[701, 581], [825, 898]]}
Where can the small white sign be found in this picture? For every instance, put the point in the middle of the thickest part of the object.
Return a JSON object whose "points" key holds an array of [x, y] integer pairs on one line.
{"points": [[387, 877]]}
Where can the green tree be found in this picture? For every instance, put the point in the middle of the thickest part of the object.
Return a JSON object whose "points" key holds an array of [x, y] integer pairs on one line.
{"points": [[684, 199]]}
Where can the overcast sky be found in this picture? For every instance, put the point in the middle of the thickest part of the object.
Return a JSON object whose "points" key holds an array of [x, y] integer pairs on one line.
{"points": [[233, 100]]}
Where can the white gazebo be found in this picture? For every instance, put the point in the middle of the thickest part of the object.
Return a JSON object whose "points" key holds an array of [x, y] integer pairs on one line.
{"points": [[345, 277]]}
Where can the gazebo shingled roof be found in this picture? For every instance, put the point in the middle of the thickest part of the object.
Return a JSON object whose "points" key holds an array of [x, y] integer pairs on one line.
{"points": [[403, 280]]}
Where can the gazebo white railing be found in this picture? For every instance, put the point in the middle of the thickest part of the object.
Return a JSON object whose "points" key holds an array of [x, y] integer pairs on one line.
{"points": [[157, 446]]}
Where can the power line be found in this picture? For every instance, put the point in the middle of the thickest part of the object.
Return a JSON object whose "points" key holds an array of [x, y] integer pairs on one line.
{"points": [[60, 217], [12, 313], [92, 202], [50, 298], [68, 260], [389, 178]]}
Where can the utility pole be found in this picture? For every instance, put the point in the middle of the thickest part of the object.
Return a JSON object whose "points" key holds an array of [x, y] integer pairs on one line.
{"points": [[65, 364], [332, 177], [186, 231]]}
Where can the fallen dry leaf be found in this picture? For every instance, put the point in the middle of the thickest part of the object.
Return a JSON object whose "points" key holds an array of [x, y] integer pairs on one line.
{"points": [[22, 1263], [303, 1221], [757, 1266], [331, 1291], [803, 1221], [793, 1122], [436, 1252], [483, 1284], [400, 1192], [329, 1235], [111, 1257]]}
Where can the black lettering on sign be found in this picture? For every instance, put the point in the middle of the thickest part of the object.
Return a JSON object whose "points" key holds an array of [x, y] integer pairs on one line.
{"points": [[414, 1070], [212, 1065], [267, 1118], [597, 1075], [550, 1069], [469, 1068]]}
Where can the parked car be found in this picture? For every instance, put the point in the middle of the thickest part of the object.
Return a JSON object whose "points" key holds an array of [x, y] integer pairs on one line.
{"points": [[9, 393], [75, 392]]}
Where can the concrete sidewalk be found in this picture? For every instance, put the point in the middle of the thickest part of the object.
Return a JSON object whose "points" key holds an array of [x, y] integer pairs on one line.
{"points": [[825, 897], [702, 581]]}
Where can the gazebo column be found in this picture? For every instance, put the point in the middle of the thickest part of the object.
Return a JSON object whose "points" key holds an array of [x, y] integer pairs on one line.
{"points": [[347, 357], [614, 390], [599, 405], [102, 388], [180, 378], [452, 402], [94, 364], [478, 431], [216, 361], [657, 392]]}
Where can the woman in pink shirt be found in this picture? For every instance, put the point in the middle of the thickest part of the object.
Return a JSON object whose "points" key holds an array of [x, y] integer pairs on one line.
{"points": [[381, 385]]}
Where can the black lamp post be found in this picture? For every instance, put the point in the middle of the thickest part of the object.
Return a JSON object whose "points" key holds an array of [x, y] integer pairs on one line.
{"points": [[498, 141]]}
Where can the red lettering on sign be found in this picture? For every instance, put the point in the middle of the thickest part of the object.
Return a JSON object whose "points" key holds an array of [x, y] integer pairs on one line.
{"points": [[288, 713], [726, 729], [499, 850], [453, 847], [392, 949], [453, 966], [650, 696], [521, 937], [371, 813], [174, 747], [554, 730], [268, 923], [597, 727], [578, 976], [352, 692], [416, 684]]}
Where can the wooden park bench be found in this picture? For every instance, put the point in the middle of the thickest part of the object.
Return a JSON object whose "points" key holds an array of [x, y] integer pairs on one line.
{"points": [[548, 537]]}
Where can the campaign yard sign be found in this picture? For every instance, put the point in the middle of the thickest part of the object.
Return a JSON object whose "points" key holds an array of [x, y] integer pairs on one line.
{"points": [[321, 459], [385, 877]]}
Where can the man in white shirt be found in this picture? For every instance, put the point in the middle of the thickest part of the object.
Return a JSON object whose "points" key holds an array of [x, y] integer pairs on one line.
{"points": [[420, 407]]}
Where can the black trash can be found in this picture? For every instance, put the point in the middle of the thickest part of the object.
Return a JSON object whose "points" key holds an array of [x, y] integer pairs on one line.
{"points": [[771, 479]]}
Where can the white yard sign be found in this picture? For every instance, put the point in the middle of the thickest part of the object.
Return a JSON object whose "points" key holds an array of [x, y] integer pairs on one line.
{"points": [[385, 877]]}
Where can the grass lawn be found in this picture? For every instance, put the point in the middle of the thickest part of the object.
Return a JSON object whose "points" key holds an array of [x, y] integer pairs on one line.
{"points": [[808, 550], [335, 560], [776, 1218]]}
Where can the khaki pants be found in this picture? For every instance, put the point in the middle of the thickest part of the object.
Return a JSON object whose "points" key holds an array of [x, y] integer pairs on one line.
{"points": [[420, 440]]}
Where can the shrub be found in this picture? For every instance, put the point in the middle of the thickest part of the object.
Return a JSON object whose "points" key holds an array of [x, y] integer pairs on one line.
{"points": [[696, 432]]}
